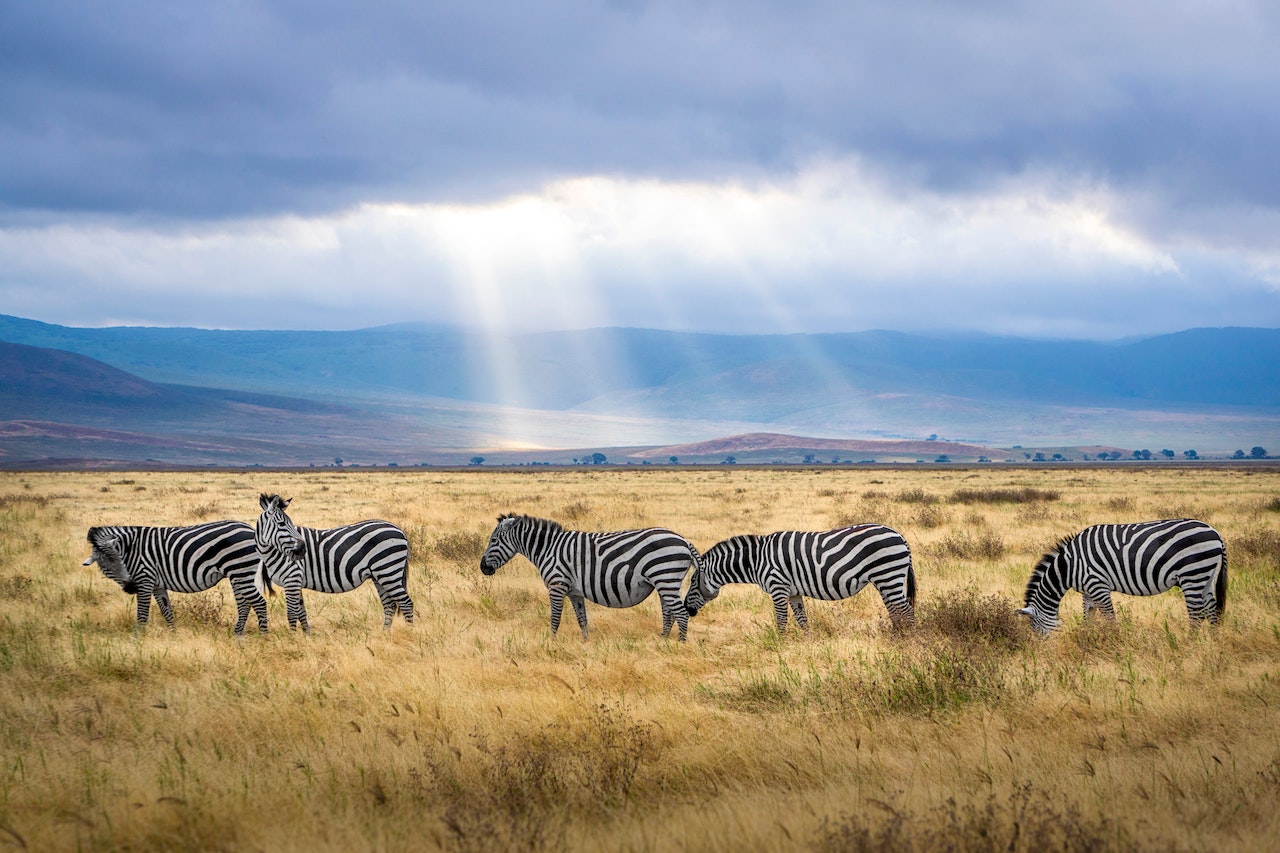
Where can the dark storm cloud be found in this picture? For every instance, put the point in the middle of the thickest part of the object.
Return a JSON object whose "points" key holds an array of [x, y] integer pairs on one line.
{"points": [[233, 108]]}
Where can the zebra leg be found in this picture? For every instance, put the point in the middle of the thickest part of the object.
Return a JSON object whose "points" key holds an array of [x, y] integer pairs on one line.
{"points": [[556, 593], [144, 605], [1099, 599], [897, 601], [296, 610], [166, 609], [797, 607], [580, 610], [673, 610], [1200, 603], [247, 597], [780, 600], [405, 603]]}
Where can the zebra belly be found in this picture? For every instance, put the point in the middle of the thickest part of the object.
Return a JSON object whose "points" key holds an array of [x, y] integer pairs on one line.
{"points": [[811, 588], [199, 583], [627, 590]]}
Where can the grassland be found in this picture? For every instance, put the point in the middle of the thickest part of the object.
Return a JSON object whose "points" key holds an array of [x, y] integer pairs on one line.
{"points": [[474, 729]]}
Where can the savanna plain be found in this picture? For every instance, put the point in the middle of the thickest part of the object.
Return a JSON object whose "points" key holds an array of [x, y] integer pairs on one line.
{"points": [[475, 729]]}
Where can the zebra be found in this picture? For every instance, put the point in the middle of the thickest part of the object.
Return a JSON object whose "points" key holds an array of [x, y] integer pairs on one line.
{"points": [[335, 560], [1145, 558], [828, 565], [152, 561], [617, 569]]}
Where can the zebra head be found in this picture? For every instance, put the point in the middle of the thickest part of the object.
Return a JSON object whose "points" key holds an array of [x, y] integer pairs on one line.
{"points": [[503, 545], [701, 587], [108, 553], [279, 541], [1043, 593]]}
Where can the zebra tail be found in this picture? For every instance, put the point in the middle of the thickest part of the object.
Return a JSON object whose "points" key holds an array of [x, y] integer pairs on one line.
{"points": [[1220, 588], [911, 584], [262, 581]]}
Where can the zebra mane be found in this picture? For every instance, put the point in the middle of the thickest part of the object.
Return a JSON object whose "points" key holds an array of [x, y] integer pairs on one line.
{"points": [[546, 522], [1038, 573]]}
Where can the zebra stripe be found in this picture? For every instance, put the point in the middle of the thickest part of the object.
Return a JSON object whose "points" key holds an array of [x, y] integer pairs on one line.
{"points": [[1146, 558], [830, 565], [618, 569], [334, 560], [151, 562]]}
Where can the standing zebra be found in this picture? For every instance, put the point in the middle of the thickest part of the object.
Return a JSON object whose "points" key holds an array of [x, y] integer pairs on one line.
{"points": [[335, 560], [614, 569], [830, 565], [1137, 559], [152, 561]]}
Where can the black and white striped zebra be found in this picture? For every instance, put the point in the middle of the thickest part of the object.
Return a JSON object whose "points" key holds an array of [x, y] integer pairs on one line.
{"points": [[830, 565], [618, 569], [154, 561], [1145, 558], [334, 560]]}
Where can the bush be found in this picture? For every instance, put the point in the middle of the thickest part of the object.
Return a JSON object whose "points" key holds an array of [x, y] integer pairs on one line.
{"points": [[966, 618], [986, 545], [1023, 495], [1025, 820], [916, 496], [460, 547]]}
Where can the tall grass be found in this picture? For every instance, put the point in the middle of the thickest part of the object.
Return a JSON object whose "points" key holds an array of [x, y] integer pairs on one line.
{"points": [[475, 729]]}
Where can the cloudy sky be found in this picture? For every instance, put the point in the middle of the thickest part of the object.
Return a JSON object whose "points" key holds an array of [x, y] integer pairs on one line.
{"points": [[1073, 169]]}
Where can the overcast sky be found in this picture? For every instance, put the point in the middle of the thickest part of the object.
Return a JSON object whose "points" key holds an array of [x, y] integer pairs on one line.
{"points": [[1074, 169]]}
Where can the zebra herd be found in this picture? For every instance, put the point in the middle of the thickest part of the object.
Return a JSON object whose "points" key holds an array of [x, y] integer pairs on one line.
{"points": [[621, 569]]}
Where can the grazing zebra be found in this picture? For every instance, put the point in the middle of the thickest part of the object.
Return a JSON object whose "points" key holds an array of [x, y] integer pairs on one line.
{"points": [[334, 560], [1136, 559], [830, 565], [153, 561], [614, 569]]}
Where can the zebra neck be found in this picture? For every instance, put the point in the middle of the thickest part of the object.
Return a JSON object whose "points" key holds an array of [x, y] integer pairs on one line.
{"points": [[535, 543], [737, 565], [1051, 584]]}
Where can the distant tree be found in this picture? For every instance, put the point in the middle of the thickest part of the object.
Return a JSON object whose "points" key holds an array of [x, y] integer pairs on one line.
{"points": [[1058, 457], [835, 460], [809, 459], [1142, 454], [943, 458], [1028, 455], [1239, 454], [598, 458], [983, 459], [1167, 454], [477, 460], [1039, 457], [674, 460], [933, 437], [730, 460], [1190, 454], [1258, 453], [337, 460]]}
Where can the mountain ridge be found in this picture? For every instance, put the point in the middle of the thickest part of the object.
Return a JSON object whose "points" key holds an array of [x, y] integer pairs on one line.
{"points": [[408, 393]]}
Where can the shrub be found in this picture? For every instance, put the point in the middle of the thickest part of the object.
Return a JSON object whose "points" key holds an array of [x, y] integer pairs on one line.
{"points": [[916, 496], [964, 545], [460, 546], [1022, 495], [1024, 820], [966, 617], [1259, 543]]}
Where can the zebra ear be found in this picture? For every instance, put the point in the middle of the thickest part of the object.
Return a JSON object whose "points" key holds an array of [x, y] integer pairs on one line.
{"points": [[284, 503], [264, 501]]}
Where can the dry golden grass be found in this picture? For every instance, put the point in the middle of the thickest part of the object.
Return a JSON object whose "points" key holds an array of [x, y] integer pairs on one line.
{"points": [[474, 729]]}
